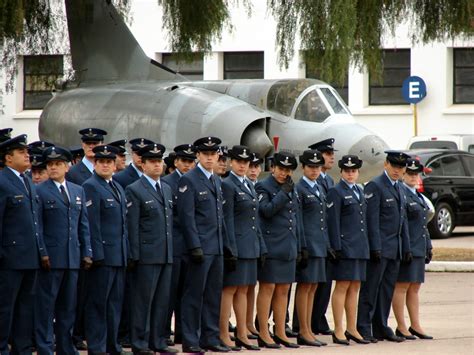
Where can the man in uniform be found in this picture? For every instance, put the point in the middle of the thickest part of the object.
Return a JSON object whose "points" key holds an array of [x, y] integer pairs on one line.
{"points": [[91, 138], [150, 213], [134, 171], [200, 212], [184, 162], [107, 209], [21, 248], [121, 155], [389, 243], [38, 170], [65, 230]]}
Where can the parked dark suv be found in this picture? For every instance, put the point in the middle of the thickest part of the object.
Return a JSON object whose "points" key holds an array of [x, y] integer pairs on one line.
{"points": [[449, 186]]}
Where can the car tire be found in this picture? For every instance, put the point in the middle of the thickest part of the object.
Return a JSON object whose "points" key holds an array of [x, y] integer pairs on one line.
{"points": [[443, 223]]}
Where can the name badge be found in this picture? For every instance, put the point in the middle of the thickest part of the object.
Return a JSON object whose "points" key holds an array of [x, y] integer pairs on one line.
{"points": [[389, 199], [201, 193], [110, 200], [347, 197]]}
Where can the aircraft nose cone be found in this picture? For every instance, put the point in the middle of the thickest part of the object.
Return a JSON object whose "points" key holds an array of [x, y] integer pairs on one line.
{"points": [[370, 148]]}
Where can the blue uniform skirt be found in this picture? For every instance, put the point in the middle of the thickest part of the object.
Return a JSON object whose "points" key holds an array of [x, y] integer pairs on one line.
{"points": [[245, 273], [348, 270], [413, 272], [277, 271], [315, 271]]}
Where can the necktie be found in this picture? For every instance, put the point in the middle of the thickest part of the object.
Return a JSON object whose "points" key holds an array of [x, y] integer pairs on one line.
{"points": [[247, 185], [213, 182], [114, 189], [420, 196], [316, 189], [356, 192], [158, 189], [324, 184], [64, 195], [26, 183]]}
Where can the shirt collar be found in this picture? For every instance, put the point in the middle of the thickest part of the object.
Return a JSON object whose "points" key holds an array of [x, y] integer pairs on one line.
{"points": [[140, 173], [179, 172], [323, 174], [88, 164], [58, 185], [350, 185], [152, 182], [16, 172], [240, 178], [206, 172], [391, 181], [311, 183], [412, 189]]}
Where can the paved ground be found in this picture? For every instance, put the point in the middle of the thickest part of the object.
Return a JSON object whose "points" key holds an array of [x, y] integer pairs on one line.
{"points": [[463, 237]]}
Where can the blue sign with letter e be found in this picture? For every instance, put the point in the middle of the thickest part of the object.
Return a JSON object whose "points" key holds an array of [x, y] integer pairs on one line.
{"points": [[413, 89]]}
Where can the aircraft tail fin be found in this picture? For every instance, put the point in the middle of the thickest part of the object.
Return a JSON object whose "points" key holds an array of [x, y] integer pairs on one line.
{"points": [[104, 49]]}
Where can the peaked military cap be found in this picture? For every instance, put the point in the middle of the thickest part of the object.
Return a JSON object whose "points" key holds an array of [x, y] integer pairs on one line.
{"points": [[120, 145], [5, 134], [285, 160], [414, 166], [350, 162], [256, 160], [37, 162], [152, 151], [169, 160], [57, 153], [312, 158], [18, 142], [240, 152], [92, 134], [326, 145], [186, 151], [396, 157], [223, 152], [105, 152], [139, 143], [207, 144]]}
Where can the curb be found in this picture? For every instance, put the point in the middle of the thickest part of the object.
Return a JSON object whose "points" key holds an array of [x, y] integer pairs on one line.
{"points": [[450, 266]]}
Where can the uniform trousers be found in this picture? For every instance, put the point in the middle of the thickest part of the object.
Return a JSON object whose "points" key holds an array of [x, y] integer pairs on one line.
{"points": [[56, 296], [105, 289], [176, 293], [200, 305], [375, 298], [150, 286]]}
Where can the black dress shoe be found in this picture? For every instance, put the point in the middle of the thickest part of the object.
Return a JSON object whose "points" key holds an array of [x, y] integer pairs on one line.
{"points": [[252, 336], [325, 332], [394, 338], [125, 352], [80, 345], [218, 348], [336, 340], [407, 337], [370, 338], [142, 352], [170, 342], [263, 344], [302, 341], [167, 350], [322, 343], [240, 343], [419, 335], [285, 343], [349, 336], [192, 349]]}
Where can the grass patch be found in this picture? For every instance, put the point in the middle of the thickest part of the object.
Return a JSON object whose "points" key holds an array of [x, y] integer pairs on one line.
{"points": [[453, 254]]}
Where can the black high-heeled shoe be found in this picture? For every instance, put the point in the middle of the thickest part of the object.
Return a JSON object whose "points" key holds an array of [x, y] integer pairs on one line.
{"points": [[407, 337], [419, 335], [240, 343], [252, 336], [336, 340], [263, 344], [349, 336], [302, 341], [285, 343]]}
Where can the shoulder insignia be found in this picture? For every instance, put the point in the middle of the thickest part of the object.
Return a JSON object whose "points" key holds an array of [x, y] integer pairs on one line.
{"points": [[330, 204], [129, 204], [88, 203], [224, 201], [18, 197], [78, 198], [260, 197], [183, 188], [369, 195], [347, 197]]}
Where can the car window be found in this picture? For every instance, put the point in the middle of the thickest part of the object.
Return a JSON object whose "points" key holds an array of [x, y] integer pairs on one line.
{"points": [[434, 144], [447, 166], [469, 164], [470, 149]]}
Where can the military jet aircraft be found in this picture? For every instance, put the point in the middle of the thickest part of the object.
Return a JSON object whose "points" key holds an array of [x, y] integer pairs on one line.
{"points": [[119, 89]]}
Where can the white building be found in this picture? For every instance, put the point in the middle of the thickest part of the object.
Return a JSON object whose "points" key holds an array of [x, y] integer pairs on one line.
{"points": [[250, 52]]}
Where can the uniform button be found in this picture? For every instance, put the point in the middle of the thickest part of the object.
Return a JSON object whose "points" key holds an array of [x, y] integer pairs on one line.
{"points": [[253, 217], [253, 227], [361, 221], [291, 220], [15, 242], [322, 220], [290, 211], [321, 212], [35, 223], [322, 228], [290, 228], [254, 208], [360, 212], [362, 230], [291, 202], [253, 200], [70, 238]]}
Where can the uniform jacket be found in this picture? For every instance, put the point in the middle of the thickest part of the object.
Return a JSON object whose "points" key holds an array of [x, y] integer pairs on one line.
{"points": [[347, 221], [279, 222], [65, 228], [127, 176], [150, 222], [200, 213], [78, 173], [313, 212], [241, 218], [326, 183], [107, 221], [21, 242], [417, 212], [178, 240], [386, 218]]}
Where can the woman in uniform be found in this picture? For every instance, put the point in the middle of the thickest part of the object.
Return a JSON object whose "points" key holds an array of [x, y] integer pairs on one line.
{"points": [[346, 210], [412, 275], [278, 211], [241, 219], [313, 210]]}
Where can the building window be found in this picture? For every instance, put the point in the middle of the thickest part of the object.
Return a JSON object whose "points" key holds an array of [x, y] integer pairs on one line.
{"points": [[192, 68], [463, 83], [40, 73], [342, 90], [396, 68], [243, 65]]}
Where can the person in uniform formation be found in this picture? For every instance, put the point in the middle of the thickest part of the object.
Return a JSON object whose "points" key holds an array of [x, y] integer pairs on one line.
{"points": [[195, 244]]}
